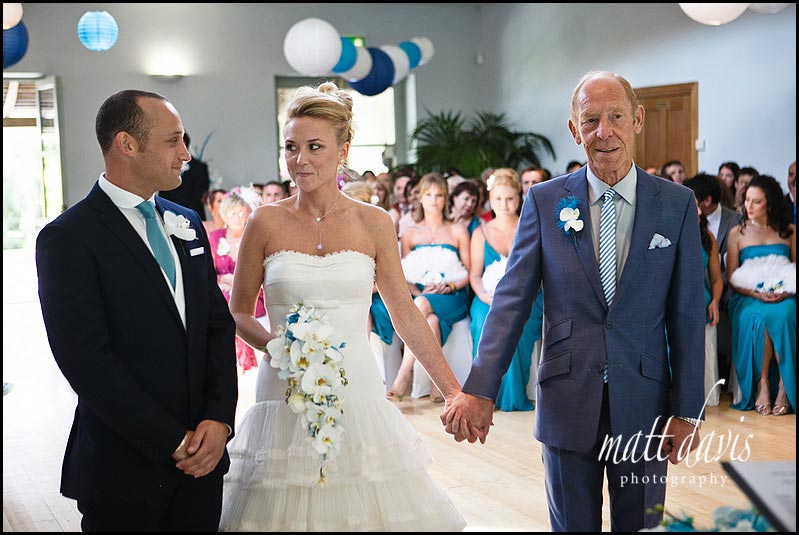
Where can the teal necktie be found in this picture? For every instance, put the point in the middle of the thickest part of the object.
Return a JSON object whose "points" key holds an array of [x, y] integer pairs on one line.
{"points": [[157, 242]]}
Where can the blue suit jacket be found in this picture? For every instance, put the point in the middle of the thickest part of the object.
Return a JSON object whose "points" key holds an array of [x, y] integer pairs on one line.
{"points": [[659, 290], [141, 378]]}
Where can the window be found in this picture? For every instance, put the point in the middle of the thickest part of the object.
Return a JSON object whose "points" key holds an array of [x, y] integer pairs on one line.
{"points": [[375, 141]]}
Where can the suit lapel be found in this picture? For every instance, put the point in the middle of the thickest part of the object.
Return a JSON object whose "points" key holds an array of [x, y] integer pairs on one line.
{"points": [[112, 218], [577, 185], [647, 213]]}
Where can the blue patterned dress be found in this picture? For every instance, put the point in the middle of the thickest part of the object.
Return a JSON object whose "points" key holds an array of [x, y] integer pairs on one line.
{"points": [[512, 394], [750, 319]]}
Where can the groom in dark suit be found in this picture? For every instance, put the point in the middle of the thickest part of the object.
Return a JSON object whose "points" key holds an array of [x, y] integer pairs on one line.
{"points": [[618, 252], [141, 331]]}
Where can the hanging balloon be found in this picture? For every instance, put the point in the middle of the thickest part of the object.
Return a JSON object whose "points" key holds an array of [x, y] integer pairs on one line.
{"points": [[312, 47], [399, 60], [15, 44], [413, 51], [426, 46], [97, 30], [348, 56], [379, 78], [12, 14], [768, 9], [363, 64]]}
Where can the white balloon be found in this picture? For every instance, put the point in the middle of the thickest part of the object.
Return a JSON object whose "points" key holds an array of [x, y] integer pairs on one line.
{"points": [[426, 46], [312, 47], [768, 9], [12, 14], [402, 65], [714, 14], [362, 67]]}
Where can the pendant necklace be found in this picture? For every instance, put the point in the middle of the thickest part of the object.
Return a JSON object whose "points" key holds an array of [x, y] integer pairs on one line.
{"points": [[758, 225], [319, 219]]}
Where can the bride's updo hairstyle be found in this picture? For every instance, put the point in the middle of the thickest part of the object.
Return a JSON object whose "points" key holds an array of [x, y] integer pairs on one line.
{"points": [[326, 102]]}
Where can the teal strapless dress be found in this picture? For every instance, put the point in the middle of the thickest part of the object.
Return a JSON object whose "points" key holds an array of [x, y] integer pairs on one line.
{"points": [[708, 293], [381, 321], [512, 394], [750, 319], [449, 308]]}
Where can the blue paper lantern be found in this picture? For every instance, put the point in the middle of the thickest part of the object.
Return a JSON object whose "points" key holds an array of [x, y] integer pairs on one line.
{"points": [[15, 44], [379, 78], [413, 51], [97, 30], [348, 56]]}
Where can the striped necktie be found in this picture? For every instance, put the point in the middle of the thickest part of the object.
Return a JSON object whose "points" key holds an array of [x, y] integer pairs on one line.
{"points": [[157, 241], [607, 245]]}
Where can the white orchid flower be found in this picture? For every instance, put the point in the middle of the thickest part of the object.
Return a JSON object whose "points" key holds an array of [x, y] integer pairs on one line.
{"points": [[178, 226]]}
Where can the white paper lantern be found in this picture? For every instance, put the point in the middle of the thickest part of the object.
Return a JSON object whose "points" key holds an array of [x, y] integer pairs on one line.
{"points": [[12, 14], [714, 14], [312, 47], [767, 9], [362, 67], [426, 46], [402, 65]]}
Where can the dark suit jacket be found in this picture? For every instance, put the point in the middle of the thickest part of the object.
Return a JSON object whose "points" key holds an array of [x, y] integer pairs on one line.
{"points": [[142, 379], [729, 218], [195, 181], [660, 289]]}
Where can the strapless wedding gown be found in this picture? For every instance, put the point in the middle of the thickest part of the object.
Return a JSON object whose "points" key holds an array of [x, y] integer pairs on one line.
{"points": [[378, 480]]}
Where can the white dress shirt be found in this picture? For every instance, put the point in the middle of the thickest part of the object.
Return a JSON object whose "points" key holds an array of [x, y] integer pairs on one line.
{"points": [[714, 221], [625, 213], [127, 202]]}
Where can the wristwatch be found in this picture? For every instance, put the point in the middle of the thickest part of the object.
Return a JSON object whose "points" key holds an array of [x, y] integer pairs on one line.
{"points": [[696, 422]]}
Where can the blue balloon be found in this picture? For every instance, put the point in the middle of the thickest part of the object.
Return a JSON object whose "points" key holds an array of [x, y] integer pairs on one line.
{"points": [[348, 56], [413, 51], [379, 78], [15, 44]]}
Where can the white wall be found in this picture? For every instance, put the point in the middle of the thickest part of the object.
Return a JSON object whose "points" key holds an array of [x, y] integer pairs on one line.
{"points": [[746, 70], [534, 54], [235, 51]]}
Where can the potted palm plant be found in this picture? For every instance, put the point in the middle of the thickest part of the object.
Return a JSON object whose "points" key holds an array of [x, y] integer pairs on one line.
{"points": [[447, 139]]}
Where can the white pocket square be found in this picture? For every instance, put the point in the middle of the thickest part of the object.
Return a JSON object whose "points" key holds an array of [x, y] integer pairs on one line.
{"points": [[201, 250], [659, 242]]}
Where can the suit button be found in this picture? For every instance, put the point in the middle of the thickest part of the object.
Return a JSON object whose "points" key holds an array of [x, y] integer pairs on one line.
{"points": [[608, 324]]}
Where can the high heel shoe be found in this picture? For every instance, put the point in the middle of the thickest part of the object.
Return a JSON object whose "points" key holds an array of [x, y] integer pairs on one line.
{"points": [[764, 409], [780, 410], [397, 393]]}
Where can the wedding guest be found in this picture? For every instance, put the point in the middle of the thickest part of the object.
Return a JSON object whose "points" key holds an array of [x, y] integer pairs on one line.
{"points": [[380, 195], [573, 166], [236, 208], [142, 333], [412, 196], [761, 263], [605, 369], [728, 175], [211, 200], [745, 176], [790, 197], [489, 250], [273, 191], [673, 170], [531, 176], [435, 261], [463, 203], [325, 250], [360, 191]]}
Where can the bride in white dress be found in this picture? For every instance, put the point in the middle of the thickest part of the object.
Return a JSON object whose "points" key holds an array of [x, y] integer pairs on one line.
{"points": [[325, 250]]}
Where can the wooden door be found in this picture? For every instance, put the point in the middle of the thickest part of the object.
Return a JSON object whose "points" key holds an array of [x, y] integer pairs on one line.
{"points": [[670, 126]]}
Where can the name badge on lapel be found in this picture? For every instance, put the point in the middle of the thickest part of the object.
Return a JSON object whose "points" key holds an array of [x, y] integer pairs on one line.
{"points": [[197, 251]]}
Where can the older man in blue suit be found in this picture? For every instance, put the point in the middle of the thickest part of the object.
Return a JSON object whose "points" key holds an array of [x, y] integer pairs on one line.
{"points": [[618, 253]]}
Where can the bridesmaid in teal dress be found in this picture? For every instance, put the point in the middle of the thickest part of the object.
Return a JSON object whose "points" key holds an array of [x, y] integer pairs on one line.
{"points": [[763, 321], [489, 250], [442, 299]]}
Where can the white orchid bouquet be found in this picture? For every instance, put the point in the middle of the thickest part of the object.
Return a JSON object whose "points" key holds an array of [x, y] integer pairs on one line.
{"points": [[307, 353]]}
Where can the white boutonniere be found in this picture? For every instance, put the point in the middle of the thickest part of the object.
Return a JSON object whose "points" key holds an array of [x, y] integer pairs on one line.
{"points": [[223, 247], [179, 226], [569, 216]]}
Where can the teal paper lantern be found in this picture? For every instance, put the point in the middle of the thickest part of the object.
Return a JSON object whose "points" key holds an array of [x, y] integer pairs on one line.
{"points": [[15, 44], [97, 30], [348, 56]]}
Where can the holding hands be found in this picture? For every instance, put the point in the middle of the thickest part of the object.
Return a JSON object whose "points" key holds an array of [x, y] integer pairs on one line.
{"points": [[468, 417]]}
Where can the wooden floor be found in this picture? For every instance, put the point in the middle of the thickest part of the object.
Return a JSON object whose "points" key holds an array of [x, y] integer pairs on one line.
{"points": [[498, 486]]}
